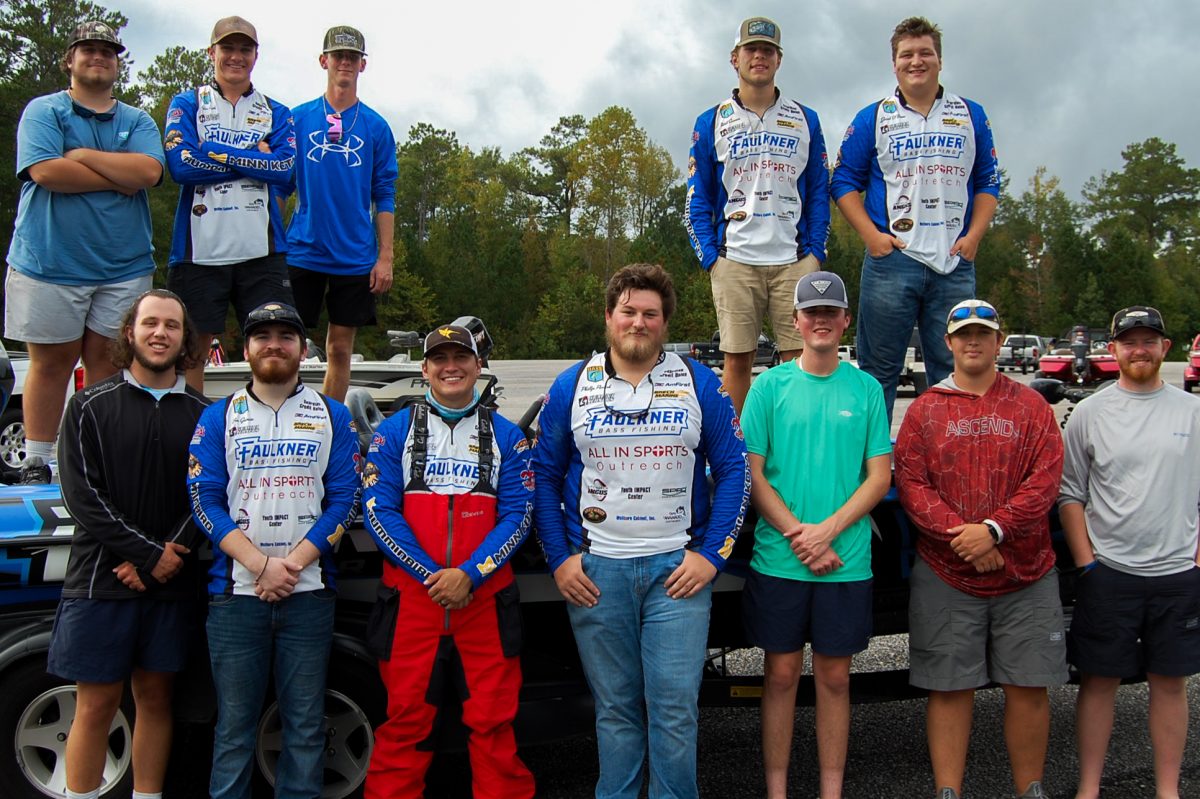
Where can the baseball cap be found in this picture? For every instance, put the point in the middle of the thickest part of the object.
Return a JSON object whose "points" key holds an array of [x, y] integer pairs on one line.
{"points": [[343, 37], [96, 31], [972, 312], [450, 334], [228, 26], [274, 312], [1137, 316], [758, 29], [820, 288]]}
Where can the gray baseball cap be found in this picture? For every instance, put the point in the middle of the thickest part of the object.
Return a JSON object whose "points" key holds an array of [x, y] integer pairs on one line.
{"points": [[820, 288]]}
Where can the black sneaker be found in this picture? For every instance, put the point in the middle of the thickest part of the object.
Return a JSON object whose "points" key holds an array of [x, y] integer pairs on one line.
{"points": [[34, 472]]}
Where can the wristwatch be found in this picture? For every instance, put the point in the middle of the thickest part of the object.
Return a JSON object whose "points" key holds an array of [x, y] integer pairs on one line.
{"points": [[995, 531]]}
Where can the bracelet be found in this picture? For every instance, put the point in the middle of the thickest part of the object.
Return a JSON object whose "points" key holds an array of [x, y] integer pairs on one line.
{"points": [[264, 569], [1088, 567]]}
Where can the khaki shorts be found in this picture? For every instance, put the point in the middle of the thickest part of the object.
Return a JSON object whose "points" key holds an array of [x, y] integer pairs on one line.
{"points": [[98, 308], [744, 294]]}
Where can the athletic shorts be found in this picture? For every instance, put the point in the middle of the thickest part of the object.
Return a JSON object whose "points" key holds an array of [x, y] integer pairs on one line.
{"points": [[743, 294], [208, 290], [1124, 624], [348, 297], [782, 615], [38, 312], [957, 641], [104, 640]]}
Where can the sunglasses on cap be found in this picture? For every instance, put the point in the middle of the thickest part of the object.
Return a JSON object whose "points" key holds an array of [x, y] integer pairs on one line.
{"points": [[1147, 317], [979, 312]]}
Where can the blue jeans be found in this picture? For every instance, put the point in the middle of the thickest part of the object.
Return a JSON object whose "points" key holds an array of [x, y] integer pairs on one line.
{"points": [[247, 640], [895, 294], [643, 654]]}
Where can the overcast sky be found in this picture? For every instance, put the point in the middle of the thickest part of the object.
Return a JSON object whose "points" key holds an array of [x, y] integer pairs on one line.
{"points": [[1066, 84]]}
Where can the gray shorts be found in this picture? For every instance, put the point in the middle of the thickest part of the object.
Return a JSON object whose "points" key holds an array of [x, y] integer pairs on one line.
{"points": [[38, 312], [958, 641]]}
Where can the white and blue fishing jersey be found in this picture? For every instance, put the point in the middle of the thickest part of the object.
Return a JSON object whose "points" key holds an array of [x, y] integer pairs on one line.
{"points": [[278, 476], [921, 173], [231, 193], [758, 187], [340, 186], [621, 468]]}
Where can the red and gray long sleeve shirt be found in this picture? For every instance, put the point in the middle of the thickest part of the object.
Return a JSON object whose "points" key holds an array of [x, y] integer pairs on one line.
{"points": [[963, 458]]}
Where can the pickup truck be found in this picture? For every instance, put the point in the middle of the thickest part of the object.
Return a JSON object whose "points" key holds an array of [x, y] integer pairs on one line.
{"points": [[709, 354], [1021, 351], [36, 709]]}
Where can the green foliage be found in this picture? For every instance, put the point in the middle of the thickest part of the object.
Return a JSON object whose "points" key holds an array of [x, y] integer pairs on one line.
{"points": [[1154, 196], [169, 74]]}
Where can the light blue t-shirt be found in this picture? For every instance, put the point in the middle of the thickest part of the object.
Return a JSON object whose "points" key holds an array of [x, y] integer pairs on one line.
{"points": [[339, 187], [815, 435], [92, 237]]}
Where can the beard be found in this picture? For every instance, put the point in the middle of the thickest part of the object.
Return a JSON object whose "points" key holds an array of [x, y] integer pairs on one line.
{"points": [[635, 349], [143, 357], [278, 368]]}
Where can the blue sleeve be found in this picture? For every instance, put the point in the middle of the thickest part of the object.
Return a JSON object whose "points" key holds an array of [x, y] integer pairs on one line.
{"points": [[208, 475], [514, 509], [852, 170], [274, 167], [702, 183], [341, 481], [186, 163], [145, 139], [385, 174], [551, 457], [985, 174], [383, 499], [39, 136], [814, 224], [724, 448]]}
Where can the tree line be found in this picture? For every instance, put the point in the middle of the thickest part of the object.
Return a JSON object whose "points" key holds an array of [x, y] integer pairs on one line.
{"points": [[527, 241]]}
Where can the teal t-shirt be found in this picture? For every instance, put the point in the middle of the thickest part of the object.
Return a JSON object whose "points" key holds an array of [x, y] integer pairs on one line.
{"points": [[815, 435]]}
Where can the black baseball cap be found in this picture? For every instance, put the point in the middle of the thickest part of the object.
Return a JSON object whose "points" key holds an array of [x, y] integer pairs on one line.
{"points": [[274, 312], [1134, 316], [450, 334]]}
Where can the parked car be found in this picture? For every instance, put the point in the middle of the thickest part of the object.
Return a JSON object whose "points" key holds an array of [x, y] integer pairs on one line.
{"points": [[912, 374], [1021, 351], [709, 354], [1191, 372]]}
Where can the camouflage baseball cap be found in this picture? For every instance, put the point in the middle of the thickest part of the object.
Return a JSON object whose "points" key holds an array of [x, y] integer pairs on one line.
{"points": [[228, 26], [96, 31], [343, 37]]}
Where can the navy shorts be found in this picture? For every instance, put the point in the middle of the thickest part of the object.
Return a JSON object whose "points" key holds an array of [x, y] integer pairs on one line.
{"points": [[1124, 624], [104, 640], [782, 615], [348, 297]]}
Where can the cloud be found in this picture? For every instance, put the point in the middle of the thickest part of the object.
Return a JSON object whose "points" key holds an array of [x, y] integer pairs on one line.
{"points": [[1066, 85]]}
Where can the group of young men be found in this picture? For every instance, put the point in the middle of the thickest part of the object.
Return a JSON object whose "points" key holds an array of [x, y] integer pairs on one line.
{"points": [[86, 159], [643, 469]]}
